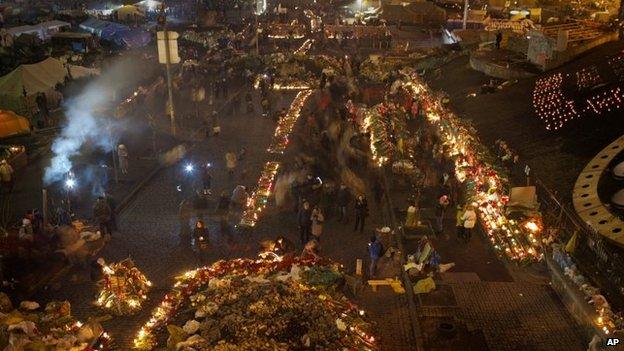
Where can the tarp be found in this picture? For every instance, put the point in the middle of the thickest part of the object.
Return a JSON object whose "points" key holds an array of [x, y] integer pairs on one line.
{"points": [[35, 78], [149, 5], [129, 13], [80, 71], [103, 29], [12, 124], [134, 38], [42, 30], [93, 25]]}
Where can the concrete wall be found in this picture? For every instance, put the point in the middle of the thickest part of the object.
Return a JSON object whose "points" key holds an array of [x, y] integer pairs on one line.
{"points": [[560, 57], [497, 71]]}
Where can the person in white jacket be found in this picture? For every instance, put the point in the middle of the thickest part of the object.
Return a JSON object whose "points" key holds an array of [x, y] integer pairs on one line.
{"points": [[470, 219]]}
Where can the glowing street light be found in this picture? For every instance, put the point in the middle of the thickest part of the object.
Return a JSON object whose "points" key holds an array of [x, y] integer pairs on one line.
{"points": [[70, 183]]}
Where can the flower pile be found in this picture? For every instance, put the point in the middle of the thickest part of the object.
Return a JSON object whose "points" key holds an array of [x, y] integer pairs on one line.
{"points": [[29, 328], [246, 304], [259, 199], [287, 122], [474, 167], [123, 288], [386, 124]]}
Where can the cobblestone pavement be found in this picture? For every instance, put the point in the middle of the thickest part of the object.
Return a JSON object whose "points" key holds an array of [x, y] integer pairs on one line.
{"points": [[150, 234], [518, 316]]}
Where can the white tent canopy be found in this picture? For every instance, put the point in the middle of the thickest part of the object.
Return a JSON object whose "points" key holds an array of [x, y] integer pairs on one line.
{"points": [[35, 78], [43, 30], [149, 5]]}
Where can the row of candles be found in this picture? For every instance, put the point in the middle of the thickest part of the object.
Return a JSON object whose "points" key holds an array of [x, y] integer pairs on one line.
{"points": [[258, 200], [556, 109], [517, 241]]}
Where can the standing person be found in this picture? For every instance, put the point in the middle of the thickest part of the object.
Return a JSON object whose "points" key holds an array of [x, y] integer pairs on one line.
{"points": [[304, 219], [317, 223], [249, 101], [239, 198], [6, 176], [499, 39], [201, 237], [342, 200], [230, 162], [441, 206], [375, 250], [214, 121], [102, 215], [112, 204], [470, 219], [361, 212], [223, 209], [459, 222], [122, 154], [206, 178]]}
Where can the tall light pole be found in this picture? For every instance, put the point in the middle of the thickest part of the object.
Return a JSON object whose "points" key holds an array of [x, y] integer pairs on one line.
{"points": [[163, 20], [466, 5]]}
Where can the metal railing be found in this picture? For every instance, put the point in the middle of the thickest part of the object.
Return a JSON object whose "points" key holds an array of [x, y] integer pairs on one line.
{"points": [[599, 260]]}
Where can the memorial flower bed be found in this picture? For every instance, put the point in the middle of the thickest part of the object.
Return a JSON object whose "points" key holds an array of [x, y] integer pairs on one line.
{"points": [[245, 304]]}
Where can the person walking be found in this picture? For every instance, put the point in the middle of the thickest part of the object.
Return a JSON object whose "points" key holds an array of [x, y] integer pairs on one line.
{"points": [[122, 155], [6, 176], [317, 223], [361, 212], [375, 250], [230, 162], [201, 237], [459, 222], [102, 214], [470, 219], [342, 200], [304, 219]]}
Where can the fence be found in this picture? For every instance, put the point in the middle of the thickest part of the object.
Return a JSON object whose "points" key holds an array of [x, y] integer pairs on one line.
{"points": [[596, 258]]}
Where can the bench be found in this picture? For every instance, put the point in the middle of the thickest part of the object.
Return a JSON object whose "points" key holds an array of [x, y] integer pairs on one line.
{"points": [[395, 284]]}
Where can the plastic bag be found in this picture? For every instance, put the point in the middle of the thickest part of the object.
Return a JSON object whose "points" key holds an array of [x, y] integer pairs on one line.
{"points": [[424, 286]]}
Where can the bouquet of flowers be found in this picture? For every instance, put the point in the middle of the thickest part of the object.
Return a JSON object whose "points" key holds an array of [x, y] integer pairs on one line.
{"points": [[53, 328], [123, 287]]}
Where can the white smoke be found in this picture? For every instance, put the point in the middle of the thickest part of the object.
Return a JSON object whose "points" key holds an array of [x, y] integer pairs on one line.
{"points": [[83, 125], [89, 121]]}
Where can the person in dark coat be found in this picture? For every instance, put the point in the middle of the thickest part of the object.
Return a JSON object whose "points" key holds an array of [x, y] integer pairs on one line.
{"points": [[361, 212], [343, 198], [201, 236], [102, 215], [304, 219], [112, 204], [283, 246]]}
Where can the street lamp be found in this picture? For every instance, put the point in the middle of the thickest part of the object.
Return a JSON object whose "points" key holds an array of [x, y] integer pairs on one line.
{"points": [[70, 184]]}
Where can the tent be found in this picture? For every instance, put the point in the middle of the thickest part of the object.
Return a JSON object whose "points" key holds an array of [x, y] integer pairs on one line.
{"points": [[134, 38], [93, 26], [31, 79], [43, 30], [35, 78], [103, 29], [149, 5], [80, 71], [12, 124], [129, 13]]}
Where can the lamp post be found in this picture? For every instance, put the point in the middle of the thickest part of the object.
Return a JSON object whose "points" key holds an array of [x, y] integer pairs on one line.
{"points": [[170, 109]]}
